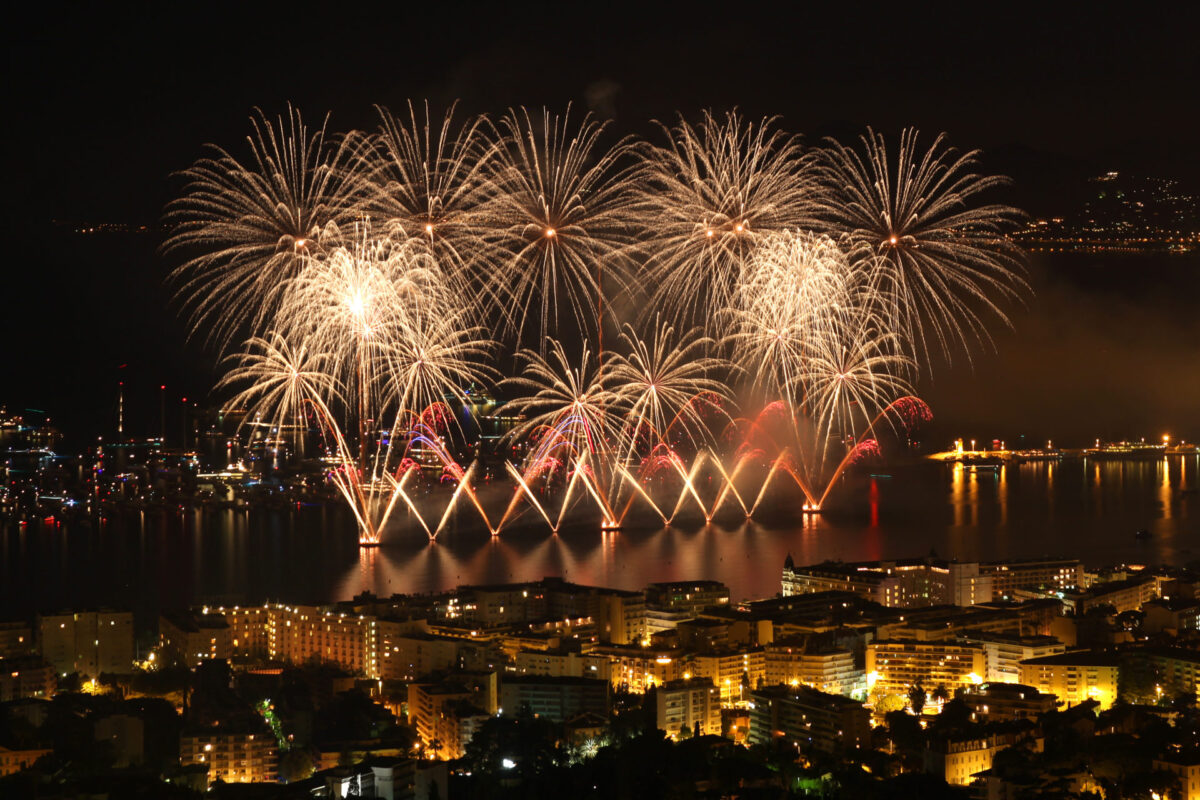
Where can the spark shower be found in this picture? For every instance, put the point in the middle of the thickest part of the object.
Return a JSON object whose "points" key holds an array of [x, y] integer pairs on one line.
{"points": [[691, 324]]}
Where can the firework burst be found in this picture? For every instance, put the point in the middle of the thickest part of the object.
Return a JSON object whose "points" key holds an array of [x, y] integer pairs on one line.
{"points": [[794, 291], [245, 228], [948, 262], [430, 179], [278, 382], [360, 301], [710, 196], [848, 378], [560, 214], [566, 401], [666, 382], [363, 269]]}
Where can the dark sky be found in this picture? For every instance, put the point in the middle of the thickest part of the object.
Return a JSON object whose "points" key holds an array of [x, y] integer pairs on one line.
{"points": [[105, 102]]}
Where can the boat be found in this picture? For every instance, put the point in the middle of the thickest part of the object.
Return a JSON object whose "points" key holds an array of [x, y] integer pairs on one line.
{"points": [[1142, 534]]}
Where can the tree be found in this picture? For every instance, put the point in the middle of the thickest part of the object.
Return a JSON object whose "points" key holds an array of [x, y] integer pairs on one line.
{"points": [[526, 740], [1184, 702], [904, 731], [955, 718], [941, 693], [72, 682], [916, 698], [1148, 785], [295, 765], [887, 703], [1138, 680]]}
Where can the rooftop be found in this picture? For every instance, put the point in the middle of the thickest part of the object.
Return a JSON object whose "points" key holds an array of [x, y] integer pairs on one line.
{"points": [[1080, 658]]}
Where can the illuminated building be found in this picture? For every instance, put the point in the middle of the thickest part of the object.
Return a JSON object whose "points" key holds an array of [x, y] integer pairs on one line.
{"points": [[912, 583], [968, 584], [27, 676], [303, 633], [903, 583], [942, 623], [808, 718], [996, 702], [443, 716], [1186, 767], [1049, 573], [190, 638], [16, 639], [359, 643], [1074, 677], [563, 664], [831, 671], [636, 669], [691, 596], [733, 671], [1171, 614], [619, 616], [1123, 595], [245, 753], [556, 699], [703, 635], [1177, 668], [895, 666], [782, 659], [13, 761], [455, 725], [957, 761], [1005, 652], [88, 642], [689, 704], [247, 630], [408, 656], [662, 620], [745, 626], [909, 583]]}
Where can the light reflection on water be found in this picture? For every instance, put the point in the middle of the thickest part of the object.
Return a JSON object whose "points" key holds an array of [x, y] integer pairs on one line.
{"points": [[150, 560]]}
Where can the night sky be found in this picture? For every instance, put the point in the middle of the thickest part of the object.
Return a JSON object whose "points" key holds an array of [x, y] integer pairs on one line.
{"points": [[104, 104]]}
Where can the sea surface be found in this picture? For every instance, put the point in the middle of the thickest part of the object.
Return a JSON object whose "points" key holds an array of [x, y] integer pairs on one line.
{"points": [[150, 561]]}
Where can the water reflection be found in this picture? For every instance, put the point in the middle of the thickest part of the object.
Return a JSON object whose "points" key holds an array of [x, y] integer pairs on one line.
{"points": [[1164, 486], [1002, 493], [149, 561]]}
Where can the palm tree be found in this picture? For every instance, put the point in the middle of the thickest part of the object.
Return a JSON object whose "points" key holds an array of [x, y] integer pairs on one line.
{"points": [[916, 698]]}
